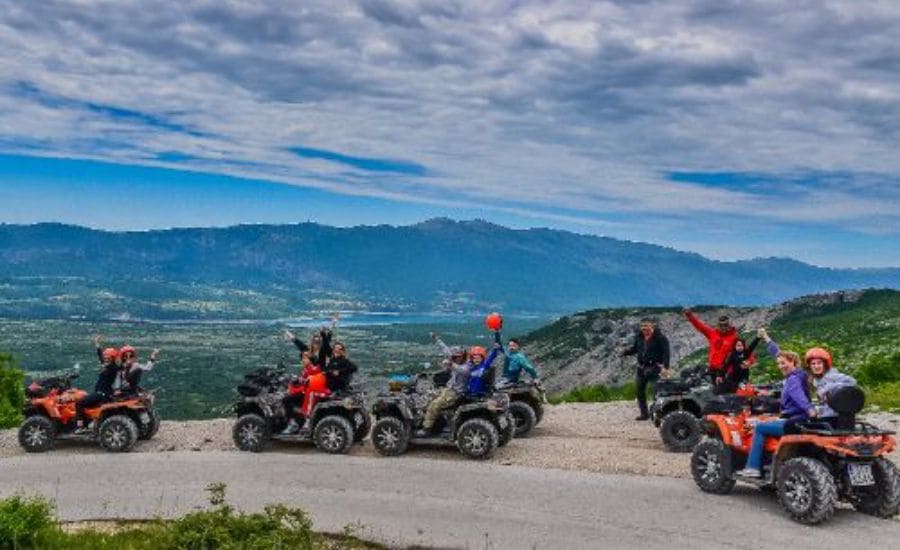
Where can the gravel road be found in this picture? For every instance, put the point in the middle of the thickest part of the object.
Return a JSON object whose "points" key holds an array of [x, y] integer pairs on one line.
{"points": [[433, 503], [599, 437]]}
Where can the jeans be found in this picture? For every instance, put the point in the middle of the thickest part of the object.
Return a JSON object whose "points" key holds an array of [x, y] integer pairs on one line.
{"points": [[763, 430]]}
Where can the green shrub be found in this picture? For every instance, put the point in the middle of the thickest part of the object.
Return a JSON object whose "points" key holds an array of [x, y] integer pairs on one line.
{"points": [[596, 394], [25, 522], [882, 368], [12, 392], [886, 397]]}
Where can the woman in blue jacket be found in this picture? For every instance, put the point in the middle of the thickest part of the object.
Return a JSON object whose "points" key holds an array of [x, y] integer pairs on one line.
{"points": [[795, 407]]}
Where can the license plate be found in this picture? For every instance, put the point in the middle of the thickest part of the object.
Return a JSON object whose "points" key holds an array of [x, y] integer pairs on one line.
{"points": [[860, 475], [145, 418]]}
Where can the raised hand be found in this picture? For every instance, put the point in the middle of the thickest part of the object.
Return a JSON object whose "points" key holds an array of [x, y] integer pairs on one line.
{"points": [[288, 335], [97, 339], [154, 355]]}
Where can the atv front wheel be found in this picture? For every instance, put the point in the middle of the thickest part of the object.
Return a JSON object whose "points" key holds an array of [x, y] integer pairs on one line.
{"points": [[680, 431], [147, 431], [711, 467], [251, 433], [118, 433], [882, 499], [334, 434], [389, 436], [523, 417], [806, 490], [37, 434], [477, 438]]}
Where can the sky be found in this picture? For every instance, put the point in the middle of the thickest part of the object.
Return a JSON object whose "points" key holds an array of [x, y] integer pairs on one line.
{"points": [[732, 129]]}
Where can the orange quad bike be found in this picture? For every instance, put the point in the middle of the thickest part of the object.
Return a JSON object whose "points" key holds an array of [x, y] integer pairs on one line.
{"points": [[50, 416], [812, 467]]}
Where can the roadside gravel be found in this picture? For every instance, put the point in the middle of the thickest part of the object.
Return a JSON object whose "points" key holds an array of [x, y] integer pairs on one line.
{"points": [[593, 437]]}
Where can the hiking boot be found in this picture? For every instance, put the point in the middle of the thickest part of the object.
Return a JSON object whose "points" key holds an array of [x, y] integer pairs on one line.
{"points": [[422, 433]]}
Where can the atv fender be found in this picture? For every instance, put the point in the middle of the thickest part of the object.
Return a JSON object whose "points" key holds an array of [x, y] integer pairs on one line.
{"points": [[392, 408], [717, 427]]}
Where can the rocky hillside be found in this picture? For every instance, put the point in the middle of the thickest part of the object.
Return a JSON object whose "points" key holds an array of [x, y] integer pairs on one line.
{"points": [[580, 349]]}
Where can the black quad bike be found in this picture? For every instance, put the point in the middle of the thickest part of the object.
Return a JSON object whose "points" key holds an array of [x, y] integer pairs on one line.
{"points": [[477, 426], [335, 423], [526, 405], [680, 403]]}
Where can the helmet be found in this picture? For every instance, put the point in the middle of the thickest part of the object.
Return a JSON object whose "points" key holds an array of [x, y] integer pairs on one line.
{"points": [[477, 350], [819, 353], [110, 354], [127, 349]]}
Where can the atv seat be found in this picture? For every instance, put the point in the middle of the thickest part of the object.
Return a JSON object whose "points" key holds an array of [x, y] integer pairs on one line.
{"points": [[847, 402]]}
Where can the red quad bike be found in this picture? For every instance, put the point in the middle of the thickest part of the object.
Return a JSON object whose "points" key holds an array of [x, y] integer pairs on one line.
{"points": [[810, 468], [50, 417]]}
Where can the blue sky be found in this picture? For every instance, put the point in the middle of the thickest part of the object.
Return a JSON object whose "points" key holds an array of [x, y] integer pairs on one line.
{"points": [[734, 130]]}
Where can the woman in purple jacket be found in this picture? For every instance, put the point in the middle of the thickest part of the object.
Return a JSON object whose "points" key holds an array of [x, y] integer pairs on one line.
{"points": [[795, 407]]}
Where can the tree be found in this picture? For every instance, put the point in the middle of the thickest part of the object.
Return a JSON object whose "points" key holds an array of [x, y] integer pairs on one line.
{"points": [[12, 392]]}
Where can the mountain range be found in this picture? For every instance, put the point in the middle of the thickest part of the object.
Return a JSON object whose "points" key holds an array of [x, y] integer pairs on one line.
{"points": [[277, 271]]}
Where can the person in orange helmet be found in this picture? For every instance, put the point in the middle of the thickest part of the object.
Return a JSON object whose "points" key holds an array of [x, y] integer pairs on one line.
{"points": [[826, 379]]}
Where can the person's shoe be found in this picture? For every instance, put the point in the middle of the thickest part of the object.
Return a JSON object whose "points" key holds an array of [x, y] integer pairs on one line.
{"points": [[643, 417], [291, 428], [422, 432], [750, 473]]}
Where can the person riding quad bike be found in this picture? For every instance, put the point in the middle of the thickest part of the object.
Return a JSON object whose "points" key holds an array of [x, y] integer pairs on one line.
{"points": [[473, 417], [333, 421], [811, 467], [54, 409]]}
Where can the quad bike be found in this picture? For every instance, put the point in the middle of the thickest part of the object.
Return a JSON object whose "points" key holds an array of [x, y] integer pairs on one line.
{"points": [[477, 426], [526, 405], [679, 405], [50, 416], [811, 467], [335, 423]]}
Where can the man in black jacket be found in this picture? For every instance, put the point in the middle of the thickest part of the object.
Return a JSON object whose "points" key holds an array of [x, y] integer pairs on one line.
{"points": [[652, 350], [340, 369]]}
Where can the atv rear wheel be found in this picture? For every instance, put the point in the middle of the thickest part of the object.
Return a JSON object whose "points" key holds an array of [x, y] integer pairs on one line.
{"points": [[711, 467], [334, 434], [523, 417], [882, 499], [806, 490], [389, 436], [37, 434], [147, 431], [680, 431], [477, 438], [118, 433], [251, 433]]}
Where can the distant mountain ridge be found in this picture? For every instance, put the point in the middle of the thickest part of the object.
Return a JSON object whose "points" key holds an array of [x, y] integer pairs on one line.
{"points": [[266, 271]]}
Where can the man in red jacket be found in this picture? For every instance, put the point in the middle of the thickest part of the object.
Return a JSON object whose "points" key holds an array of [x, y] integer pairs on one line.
{"points": [[721, 342]]}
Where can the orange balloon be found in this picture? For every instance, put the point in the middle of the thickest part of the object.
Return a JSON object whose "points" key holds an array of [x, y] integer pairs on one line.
{"points": [[494, 322]]}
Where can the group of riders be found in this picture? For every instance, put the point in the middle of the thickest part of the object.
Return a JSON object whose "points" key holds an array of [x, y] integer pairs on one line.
{"points": [[808, 379], [120, 372]]}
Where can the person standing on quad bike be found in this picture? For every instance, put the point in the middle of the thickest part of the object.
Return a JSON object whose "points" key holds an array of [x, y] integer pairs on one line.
{"points": [[826, 380], [103, 390], [653, 354], [795, 407], [514, 363], [721, 342], [737, 365]]}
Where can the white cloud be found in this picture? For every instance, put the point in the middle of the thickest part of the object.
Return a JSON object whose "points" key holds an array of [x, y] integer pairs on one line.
{"points": [[567, 106]]}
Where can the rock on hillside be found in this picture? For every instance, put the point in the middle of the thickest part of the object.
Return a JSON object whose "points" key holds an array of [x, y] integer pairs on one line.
{"points": [[581, 349]]}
